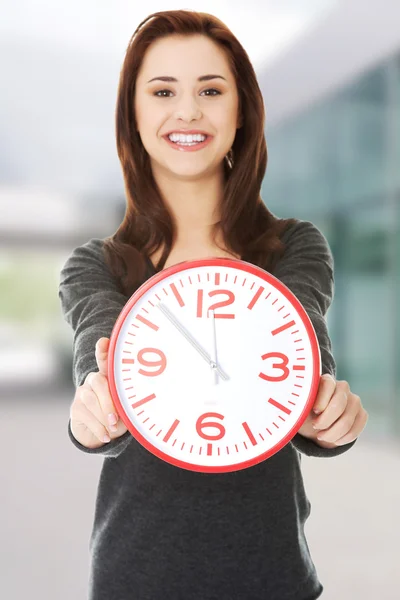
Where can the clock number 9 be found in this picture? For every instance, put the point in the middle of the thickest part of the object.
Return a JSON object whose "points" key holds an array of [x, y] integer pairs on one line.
{"points": [[162, 363], [200, 426], [230, 300], [282, 366]]}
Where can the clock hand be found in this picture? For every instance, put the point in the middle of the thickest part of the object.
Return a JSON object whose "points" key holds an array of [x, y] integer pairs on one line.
{"points": [[214, 354], [191, 339]]}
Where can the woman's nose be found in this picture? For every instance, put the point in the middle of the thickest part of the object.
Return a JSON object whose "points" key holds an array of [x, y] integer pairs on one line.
{"points": [[187, 108]]}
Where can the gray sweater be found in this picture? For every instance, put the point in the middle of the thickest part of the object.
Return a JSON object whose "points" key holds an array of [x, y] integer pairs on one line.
{"points": [[165, 533]]}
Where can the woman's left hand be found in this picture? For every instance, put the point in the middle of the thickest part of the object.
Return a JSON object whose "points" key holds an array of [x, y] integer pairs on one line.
{"points": [[341, 415]]}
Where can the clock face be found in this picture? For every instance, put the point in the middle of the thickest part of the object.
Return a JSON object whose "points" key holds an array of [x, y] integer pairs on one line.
{"points": [[213, 365]]}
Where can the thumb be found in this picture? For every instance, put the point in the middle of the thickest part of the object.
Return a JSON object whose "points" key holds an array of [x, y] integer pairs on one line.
{"points": [[102, 346]]}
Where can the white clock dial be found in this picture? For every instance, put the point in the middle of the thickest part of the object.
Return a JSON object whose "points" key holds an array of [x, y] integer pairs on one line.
{"points": [[214, 365]]}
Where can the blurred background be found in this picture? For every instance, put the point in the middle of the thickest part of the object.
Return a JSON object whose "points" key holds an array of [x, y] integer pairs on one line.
{"points": [[329, 71]]}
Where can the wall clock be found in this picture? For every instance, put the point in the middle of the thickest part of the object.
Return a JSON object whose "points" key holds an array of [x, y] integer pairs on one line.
{"points": [[214, 365]]}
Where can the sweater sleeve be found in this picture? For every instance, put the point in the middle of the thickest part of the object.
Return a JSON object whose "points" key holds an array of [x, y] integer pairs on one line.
{"points": [[91, 303], [306, 268]]}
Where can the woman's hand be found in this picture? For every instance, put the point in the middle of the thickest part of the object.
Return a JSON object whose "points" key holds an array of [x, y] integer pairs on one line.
{"points": [[94, 419], [341, 415]]}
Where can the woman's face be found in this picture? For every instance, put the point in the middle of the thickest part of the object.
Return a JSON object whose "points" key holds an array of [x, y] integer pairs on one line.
{"points": [[164, 106]]}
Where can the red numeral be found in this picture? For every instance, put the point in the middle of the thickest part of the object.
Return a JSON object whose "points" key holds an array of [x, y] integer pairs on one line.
{"points": [[200, 426], [162, 363], [282, 366], [230, 300]]}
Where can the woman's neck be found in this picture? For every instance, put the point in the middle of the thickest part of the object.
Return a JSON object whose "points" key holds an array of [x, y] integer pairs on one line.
{"points": [[194, 203]]}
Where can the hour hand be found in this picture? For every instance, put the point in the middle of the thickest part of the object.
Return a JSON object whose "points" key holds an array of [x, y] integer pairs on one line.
{"points": [[165, 310], [214, 352]]}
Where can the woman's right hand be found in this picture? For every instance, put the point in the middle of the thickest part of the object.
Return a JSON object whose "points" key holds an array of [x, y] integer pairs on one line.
{"points": [[92, 406]]}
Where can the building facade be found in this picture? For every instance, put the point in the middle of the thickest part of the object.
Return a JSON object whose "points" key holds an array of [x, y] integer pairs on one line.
{"points": [[336, 163]]}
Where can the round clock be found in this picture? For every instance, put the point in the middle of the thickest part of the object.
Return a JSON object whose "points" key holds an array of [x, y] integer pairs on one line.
{"points": [[214, 365]]}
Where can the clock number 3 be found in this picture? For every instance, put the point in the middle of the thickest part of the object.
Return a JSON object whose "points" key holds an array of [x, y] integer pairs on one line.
{"points": [[230, 300], [282, 366], [161, 363], [200, 426]]}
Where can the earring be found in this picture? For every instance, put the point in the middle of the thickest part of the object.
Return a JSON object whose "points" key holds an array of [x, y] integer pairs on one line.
{"points": [[229, 158]]}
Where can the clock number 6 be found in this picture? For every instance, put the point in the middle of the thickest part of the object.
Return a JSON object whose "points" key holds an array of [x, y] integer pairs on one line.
{"points": [[230, 300], [162, 363], [282, 366], [200, 426]]}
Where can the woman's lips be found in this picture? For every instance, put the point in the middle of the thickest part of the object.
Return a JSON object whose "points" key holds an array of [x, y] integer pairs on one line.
{"points": [[198, 146]]}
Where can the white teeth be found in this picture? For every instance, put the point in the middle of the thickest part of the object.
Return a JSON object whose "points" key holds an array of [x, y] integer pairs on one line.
{"points": [[180, 137]]}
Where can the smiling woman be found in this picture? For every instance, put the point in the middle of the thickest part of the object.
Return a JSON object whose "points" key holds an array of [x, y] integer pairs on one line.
{"points": [[159, 531]]}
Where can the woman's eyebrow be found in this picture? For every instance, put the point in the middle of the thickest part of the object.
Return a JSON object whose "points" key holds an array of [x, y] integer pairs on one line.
{"points": [[202, 78]]}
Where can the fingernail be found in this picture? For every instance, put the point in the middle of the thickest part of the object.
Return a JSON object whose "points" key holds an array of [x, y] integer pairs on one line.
{"points": [[316, 411], [106, 439]]}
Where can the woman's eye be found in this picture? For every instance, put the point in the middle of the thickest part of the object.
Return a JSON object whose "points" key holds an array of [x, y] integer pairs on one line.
{"points": [[159, 92], [208, 90]]}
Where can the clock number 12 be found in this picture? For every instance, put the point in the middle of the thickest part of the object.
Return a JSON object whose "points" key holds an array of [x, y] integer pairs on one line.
{"points": [[229, 300]]}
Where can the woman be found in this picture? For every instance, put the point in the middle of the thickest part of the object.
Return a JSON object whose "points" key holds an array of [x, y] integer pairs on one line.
{"points": [[161, 532]]}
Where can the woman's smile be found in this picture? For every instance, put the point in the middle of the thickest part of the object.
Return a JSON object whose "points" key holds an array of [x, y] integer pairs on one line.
{"points": [[188, 146]]}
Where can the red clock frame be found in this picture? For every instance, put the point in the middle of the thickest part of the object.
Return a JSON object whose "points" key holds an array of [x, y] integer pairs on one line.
{"points": [[212, 262]]}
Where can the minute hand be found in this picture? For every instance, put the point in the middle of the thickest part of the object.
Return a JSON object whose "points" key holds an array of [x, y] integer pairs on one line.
{"points": [[191, 339]]}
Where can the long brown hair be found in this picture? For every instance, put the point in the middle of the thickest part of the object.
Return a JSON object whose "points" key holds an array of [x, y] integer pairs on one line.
{"points": [[248, 228]]}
